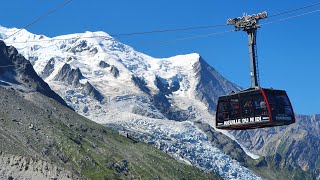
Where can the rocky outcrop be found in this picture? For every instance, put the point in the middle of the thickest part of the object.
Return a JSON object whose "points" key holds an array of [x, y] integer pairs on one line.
{"points": [[295, 147], [91, 91], [114, 71], [20, 167], [227, 145], [162, 85], [162, 103], [141, 83], [103, 64], [17, 70], [48, 69], [69, 76], [42, 139], [80, 47], [211, 85]]}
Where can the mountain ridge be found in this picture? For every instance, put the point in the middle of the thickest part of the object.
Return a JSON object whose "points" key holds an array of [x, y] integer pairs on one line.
{"points": [[165, 102], [44, 139], [124, 104], [16, 69]]}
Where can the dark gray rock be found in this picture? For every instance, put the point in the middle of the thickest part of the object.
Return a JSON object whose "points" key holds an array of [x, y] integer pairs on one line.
{"points": [[296, 146], [211, 84], [115, 72], [162, 85], [175, 85], [80, 47], [19, 70], [93, 50], [93, 92], [48, 69], [141, 83], [162, 103], [167, 86], [103, 64], [69, 76]]}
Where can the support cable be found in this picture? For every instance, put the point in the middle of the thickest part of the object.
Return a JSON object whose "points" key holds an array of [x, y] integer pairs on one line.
{"points": [[166, 30], [165, 42], [293, 10], [191, 37], [40, 18], [291, 17], [169, 30]]}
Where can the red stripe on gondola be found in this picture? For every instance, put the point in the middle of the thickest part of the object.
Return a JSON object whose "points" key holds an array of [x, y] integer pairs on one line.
{"points": [[268, 105]]}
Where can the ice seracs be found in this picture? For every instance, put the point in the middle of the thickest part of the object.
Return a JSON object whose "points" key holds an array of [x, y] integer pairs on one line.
{"points": [[156, 99]]}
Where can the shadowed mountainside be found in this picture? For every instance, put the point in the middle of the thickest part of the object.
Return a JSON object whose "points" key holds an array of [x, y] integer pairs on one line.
{"points": [[41, 138]]}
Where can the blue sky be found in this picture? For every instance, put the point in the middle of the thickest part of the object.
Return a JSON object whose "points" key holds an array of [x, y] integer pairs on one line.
{"points": [[288, 51]]}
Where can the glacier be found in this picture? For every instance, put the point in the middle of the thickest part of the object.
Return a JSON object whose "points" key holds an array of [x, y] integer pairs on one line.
{"points": [[156, 100]]}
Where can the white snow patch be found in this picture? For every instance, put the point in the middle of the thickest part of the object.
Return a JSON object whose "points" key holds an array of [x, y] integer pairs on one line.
{"points": [[125, 104]]}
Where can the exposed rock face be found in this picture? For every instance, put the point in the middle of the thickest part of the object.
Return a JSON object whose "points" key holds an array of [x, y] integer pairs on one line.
{"points": [[20, 167], [19, 70], [162, 103], [70, 76], [296, 146], [180, 83], [93, 92], [48, 69], [141, 83], [211, 84], [224, 143], [93, 50], [114, 70], [80, 47], [104, 64], [162, 85], [167, 86], [41, 139]]}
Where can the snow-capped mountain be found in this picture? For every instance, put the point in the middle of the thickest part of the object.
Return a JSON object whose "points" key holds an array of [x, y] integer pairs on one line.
{"points": [[156, 100]]}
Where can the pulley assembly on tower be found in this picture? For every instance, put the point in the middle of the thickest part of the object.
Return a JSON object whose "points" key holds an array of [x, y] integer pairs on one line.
{"points": [[254, 107]]}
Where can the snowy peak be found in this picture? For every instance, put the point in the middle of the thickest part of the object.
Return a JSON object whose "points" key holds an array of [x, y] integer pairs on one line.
{"points": [[156, 99], [115, 69], [184, 60], [22, 36], [211, 84]]}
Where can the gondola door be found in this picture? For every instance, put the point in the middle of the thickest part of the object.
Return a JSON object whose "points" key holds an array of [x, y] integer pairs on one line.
{"points": [[280, 107]]}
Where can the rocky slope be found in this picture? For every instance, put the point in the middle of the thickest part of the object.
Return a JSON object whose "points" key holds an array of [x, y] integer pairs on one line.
{"points": [[167, 102], [21, 167], [294, 148], [15, 69], [113, 84], [41, 138]]}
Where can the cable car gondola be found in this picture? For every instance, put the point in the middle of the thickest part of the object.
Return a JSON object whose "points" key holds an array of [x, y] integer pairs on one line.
{"points": [[255, 107]]}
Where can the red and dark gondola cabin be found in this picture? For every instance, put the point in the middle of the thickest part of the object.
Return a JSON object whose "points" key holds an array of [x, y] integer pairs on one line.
{"points": [[254, 108]]}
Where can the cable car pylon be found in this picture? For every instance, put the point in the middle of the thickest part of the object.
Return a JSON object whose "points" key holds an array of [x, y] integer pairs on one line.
{"points": [[254, 107], [250, 24]]}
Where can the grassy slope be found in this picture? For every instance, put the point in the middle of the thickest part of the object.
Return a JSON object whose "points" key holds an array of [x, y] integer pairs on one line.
{"points": [[41, 128], [268, 168]]}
